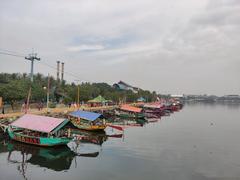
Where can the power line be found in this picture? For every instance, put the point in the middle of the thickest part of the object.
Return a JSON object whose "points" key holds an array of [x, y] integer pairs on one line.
{"points": [[10, 54], [66, 72], [15, 54]]}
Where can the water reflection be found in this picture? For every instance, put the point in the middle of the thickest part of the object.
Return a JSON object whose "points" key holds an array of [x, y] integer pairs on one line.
{"points": [[200, 142], [56, 159]]}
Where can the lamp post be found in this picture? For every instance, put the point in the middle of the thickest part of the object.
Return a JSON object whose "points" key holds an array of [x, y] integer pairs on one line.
{"points": [[48, 86], [78, 94]]}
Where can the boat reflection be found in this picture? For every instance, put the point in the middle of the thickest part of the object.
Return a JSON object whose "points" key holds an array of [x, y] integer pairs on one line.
{"points": [[83, 136], [57, 159]]}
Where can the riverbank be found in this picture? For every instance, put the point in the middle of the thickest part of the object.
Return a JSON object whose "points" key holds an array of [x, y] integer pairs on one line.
{"points": [[56, 110]]}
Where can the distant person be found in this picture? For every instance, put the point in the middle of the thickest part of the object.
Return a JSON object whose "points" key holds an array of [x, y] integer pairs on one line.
{"points": [[69, 105]]}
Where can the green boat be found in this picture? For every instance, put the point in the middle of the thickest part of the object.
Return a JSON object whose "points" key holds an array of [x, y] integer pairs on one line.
{"points": [[129, 115], [40, 130], [130, 112]]}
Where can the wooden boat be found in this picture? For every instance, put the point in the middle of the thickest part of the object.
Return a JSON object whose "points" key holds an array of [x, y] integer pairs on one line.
{"points": [[86, 120], [93, 137], [39, 130], [154, 110], [128, 112]]}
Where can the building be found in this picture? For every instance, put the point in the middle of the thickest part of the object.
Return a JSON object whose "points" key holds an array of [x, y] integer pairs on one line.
{"points": [[141, 99], [124, 86]]}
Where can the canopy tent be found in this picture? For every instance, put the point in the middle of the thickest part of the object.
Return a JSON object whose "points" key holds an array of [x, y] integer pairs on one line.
{"points": [[99, 99], [39, 123], [130, 108], [90, 116]]}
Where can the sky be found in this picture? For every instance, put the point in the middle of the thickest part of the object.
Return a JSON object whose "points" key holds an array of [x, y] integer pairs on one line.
{"points": [[171, 47]]}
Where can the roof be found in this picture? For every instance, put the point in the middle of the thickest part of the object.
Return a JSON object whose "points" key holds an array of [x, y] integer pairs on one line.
{"points": [[141, 99], [90, 116], [38, 123], [99, 99], [130, 108], [125, 84]]}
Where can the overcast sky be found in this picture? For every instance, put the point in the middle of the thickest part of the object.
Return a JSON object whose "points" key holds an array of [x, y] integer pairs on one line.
{"points": [[187, 46]]}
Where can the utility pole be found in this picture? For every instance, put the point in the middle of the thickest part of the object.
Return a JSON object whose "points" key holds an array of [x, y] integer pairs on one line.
{"points": [[48, 91], [32, 57], [78, 94]]}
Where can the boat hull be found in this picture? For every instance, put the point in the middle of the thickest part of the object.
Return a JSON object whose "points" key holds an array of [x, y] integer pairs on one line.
{"points": [[39, 141], [89, 127], [134, 116]]}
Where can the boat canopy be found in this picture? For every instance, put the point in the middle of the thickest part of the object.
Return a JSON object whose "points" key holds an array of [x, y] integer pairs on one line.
{"points": [[130, 108], [90, 116], [39, 123]]}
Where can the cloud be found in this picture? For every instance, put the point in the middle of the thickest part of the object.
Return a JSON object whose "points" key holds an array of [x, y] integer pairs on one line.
{"points": [[147, 41], [85, 47]]}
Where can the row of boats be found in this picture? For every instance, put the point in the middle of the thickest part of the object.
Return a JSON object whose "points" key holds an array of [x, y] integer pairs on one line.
{"points": [[52, 131]]}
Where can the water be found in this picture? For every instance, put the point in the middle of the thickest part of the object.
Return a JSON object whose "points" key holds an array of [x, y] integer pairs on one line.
{"points": [[199, 142]]}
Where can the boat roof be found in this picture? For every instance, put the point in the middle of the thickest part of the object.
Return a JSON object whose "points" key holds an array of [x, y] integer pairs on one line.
{"points": [[130, 108], [39, 123], [90, 116]]}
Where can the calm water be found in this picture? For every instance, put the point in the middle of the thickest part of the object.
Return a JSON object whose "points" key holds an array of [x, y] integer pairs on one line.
{"points": [[202, 141]]}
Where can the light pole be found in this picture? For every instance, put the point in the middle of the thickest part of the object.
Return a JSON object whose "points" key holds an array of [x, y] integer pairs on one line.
{"points": [[48, 87], [78, 94]]}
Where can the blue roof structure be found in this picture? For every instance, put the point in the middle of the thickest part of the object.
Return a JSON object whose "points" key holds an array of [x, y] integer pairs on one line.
{"points": [[90, 116]]}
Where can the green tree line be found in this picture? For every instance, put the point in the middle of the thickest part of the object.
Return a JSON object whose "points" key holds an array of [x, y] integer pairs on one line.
{"points": [[15, 87]]}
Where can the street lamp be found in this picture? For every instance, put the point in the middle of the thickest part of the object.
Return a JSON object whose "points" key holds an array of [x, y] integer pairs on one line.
{"points": [[78, 94], [47, 91]]}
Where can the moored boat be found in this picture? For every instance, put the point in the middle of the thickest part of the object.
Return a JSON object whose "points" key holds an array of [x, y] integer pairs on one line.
{"points": [[128, 112], [39, 130], [87, 120]]}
